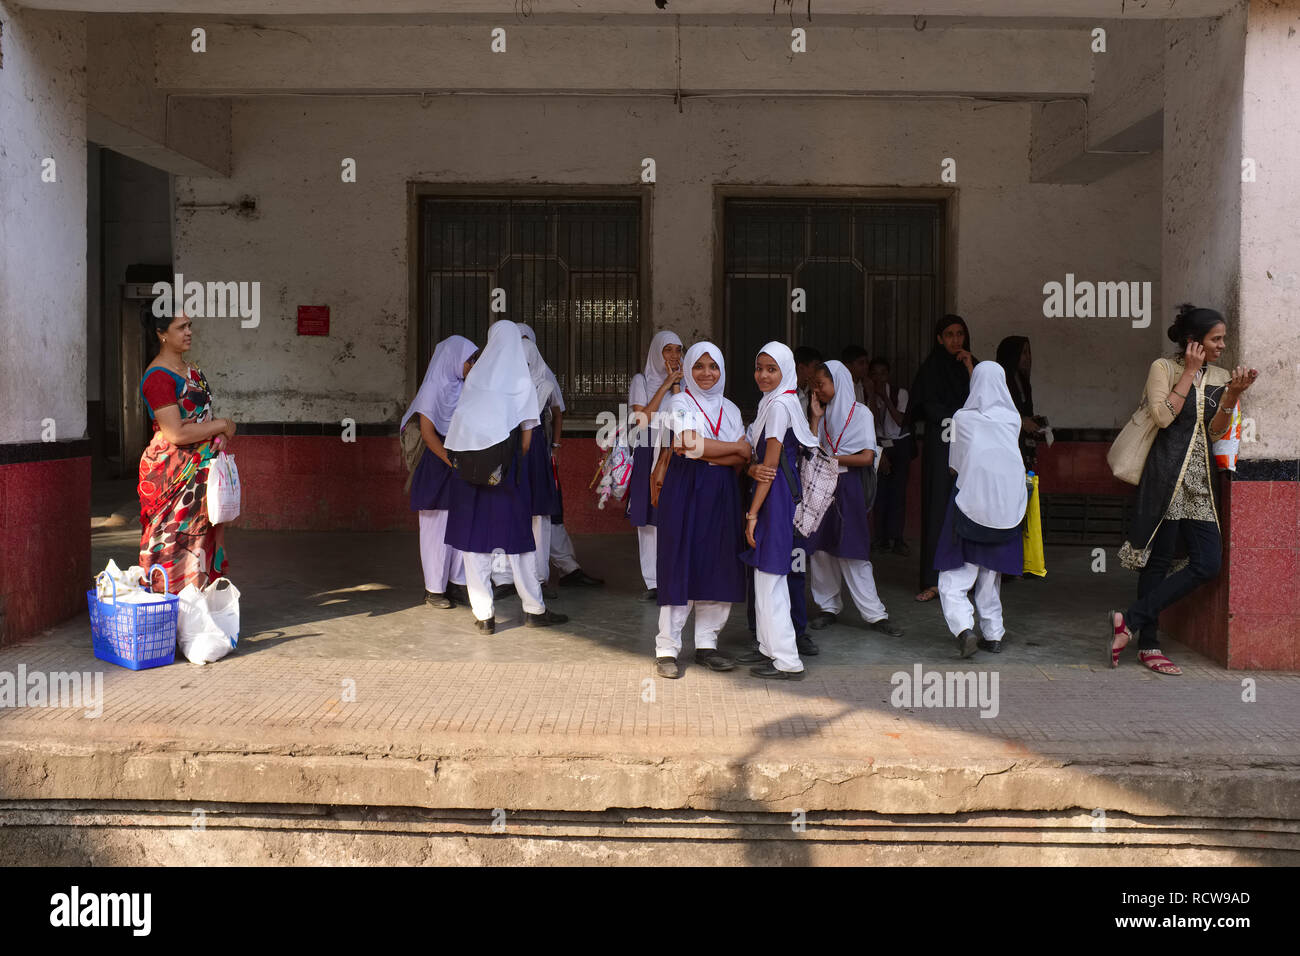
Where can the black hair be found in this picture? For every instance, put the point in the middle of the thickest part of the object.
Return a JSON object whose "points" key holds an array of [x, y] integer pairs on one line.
{"points": [[877, 361], [822, 369], [852, 353], [154, 323], [952, 319], [805, 354], [1192, 325]]}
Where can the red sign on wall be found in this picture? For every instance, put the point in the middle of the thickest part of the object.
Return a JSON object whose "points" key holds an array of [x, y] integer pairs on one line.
{"points": [[313, 320]]}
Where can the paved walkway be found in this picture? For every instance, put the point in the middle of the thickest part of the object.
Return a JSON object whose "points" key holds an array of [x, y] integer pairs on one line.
{"points": [[323, 610]]}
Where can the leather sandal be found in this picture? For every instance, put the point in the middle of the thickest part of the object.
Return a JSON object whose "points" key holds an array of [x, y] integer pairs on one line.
{"points": [[1112, 633], [1159, 663]]}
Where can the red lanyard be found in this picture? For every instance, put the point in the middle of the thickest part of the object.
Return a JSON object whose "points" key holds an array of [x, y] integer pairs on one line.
{"points": [[835, 449], [714, 428]]}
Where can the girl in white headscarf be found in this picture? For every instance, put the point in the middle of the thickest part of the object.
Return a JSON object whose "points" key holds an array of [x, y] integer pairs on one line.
{"points": [[982, 534], [498, 398], [779, 431], [696, 496], [841, 545], [444, 572], [662, 377]]}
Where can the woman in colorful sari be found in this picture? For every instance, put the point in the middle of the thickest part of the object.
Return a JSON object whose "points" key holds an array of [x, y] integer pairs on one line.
{"points": [[174, 468]]}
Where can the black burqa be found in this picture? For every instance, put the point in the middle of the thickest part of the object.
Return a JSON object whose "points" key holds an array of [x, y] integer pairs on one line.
{"points": [[941, 386], [1010, 350]]}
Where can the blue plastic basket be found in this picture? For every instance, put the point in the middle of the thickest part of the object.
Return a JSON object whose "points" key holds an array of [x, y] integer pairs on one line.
{"points": [[134, 636]]}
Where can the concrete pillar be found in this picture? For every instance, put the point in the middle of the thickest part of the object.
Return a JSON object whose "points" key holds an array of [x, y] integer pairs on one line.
{"points": [[1230, 240], [44, 454]]}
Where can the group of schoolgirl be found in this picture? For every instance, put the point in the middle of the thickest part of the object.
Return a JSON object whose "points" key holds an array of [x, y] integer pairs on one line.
{"points": [[701, 550], [705, 544], [485, 484]]}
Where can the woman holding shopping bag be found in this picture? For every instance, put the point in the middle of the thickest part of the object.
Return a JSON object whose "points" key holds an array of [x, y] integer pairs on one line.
{"points": [[174, 469], [1191, 403]]}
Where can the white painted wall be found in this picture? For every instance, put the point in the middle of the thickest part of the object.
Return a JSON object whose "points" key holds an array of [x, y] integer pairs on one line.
{"points": [[42, 225], [315, 240]]}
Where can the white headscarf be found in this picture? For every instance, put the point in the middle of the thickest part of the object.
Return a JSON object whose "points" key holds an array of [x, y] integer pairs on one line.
{"points": [[543, 380], [694, 405], [786, 395], [440, 390], [656, 369], [986, 452], [498, 393], [847, 423], [527, 332]]}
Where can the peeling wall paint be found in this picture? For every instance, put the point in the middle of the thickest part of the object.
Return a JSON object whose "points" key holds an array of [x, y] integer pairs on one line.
{"points": [[316, 240], [42, 225]]}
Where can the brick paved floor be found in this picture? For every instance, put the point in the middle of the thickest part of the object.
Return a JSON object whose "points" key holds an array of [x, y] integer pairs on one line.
{"points": [[326, 613]]}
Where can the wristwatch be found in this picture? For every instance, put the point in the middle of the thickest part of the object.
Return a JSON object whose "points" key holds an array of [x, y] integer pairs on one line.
{"points": [[555, 444]]}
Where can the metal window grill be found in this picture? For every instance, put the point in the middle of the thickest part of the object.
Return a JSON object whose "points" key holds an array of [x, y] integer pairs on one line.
{"points": [[871, 271], [570, 268]]}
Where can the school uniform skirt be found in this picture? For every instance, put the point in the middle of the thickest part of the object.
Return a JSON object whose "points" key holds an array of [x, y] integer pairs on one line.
{"points": [[431, 483], [700, 534], [481, 519], [952, 550], [774, 530], [639, 510], [845, 531], [544, 494]]}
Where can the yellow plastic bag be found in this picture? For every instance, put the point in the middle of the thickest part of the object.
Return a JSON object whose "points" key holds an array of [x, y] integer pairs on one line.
{"points": [[1035, 561]]}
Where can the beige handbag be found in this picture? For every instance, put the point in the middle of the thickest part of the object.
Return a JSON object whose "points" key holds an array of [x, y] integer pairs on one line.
{"points": [[1128, 453]]}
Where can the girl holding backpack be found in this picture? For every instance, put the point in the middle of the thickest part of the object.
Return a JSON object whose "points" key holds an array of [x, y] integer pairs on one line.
{"points": [[646, 393], [777, 434], [841, 545], [696, 495], [491, 500], [432, 480]]}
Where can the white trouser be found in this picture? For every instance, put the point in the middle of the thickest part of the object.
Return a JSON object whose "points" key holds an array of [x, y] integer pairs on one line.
{"points": [[501, 572], [710, 616], [562, 555], [478, 581], [825, 578], [647, 543], [772, 619], [954, 588], [441, 562]]}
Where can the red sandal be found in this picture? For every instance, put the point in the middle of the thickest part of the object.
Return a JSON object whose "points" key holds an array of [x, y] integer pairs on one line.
{"points": [[1159, 663], [1113, 632]]}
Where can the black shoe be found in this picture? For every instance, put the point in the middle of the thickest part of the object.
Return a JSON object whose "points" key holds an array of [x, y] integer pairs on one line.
{"points": [[714, 659], [550, 593], [458, 593], [993, 647], [667, 667], [822, 620], [967, 642], [770, 672], [805, 645], [502, 590], [753, 655], [884, 627], [579, 578], [440, 601], [900, 547], [545, 619], [487, 627], [651, 595]]}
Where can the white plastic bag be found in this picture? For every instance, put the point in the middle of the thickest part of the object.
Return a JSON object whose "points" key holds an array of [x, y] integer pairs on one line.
{"points": [[223, 489], [223, 604], [198, 635]]}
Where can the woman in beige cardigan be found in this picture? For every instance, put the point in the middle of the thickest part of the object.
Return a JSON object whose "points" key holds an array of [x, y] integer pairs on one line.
{"points": [[1191, 401]]}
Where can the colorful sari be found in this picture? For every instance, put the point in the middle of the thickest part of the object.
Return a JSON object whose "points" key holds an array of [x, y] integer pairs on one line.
{"points": [[173, 499]]}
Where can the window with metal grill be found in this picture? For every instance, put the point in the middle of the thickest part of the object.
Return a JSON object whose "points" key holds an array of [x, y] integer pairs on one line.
{"points": [[871, 271], [570, 268]]}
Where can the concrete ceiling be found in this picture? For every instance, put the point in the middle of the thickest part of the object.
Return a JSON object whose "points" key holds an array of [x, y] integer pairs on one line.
{"points": [[1085, 9]]}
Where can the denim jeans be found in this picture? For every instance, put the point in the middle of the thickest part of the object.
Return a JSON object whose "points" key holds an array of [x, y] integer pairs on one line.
{"points": [[1155, 591]]}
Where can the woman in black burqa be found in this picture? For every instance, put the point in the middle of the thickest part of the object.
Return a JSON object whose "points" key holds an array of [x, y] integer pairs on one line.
{"points": [[941, 387]]}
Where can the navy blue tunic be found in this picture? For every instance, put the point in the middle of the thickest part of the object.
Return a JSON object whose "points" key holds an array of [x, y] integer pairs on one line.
{"points": [[845, 531], [639, 510], [431, 483], [774, 530], [952, 550], [481, 519], [541, 475], [701, 534]]}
